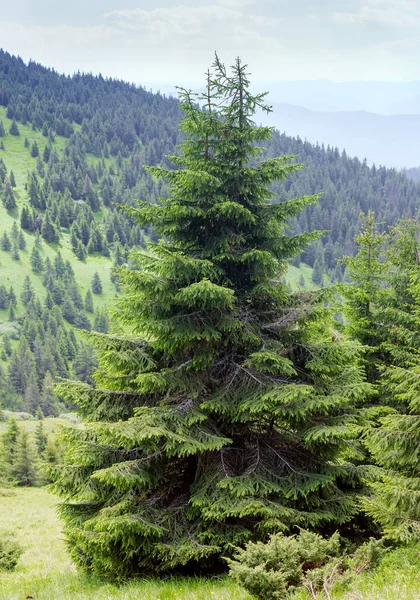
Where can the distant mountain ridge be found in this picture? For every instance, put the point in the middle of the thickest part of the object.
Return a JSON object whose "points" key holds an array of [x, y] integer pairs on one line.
{"points": [[390, 140]]}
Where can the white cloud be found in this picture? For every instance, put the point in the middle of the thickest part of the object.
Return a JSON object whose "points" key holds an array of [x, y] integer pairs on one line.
{"points": [[175, 44], [388, 13]]}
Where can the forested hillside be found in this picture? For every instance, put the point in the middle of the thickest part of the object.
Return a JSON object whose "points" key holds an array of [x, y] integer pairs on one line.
{"points": [[72, 150]]}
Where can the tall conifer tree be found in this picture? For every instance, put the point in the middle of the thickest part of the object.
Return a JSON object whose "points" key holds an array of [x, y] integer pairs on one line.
{"points": [[227, 410]]}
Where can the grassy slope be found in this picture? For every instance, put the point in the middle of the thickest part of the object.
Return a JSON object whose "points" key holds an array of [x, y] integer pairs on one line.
{"points": [[50, 425], [18, 158], [46, 572]]}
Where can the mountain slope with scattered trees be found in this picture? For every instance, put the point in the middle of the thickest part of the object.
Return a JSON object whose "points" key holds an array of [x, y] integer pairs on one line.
{"points": [[72, 152]]}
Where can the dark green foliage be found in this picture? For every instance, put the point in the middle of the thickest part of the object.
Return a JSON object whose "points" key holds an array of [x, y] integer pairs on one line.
{"points": [[12, 179], [21, 241], [12, 296], [34, 150], [317, 275], [8, 196], [96, 284], [5, 242], [2, 132], [15, 251], [48, 403], [382, 305], [41, 438], [27, 291], [37, 263], [26, 219], [226, 410], [89, 302], [9, 441], [101, 322], [48, 229], [6, 343], [32, 395], [24, 470], [14, 129]]}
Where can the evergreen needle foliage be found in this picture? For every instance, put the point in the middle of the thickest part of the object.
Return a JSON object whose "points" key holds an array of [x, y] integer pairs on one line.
{"points": [[226, 410]]}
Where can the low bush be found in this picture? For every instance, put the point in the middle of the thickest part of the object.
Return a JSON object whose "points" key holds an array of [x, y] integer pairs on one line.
{"points": [[10, 552], [273, 570]]}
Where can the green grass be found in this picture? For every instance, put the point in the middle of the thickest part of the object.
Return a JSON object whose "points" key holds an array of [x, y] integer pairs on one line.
{"points": [[50, 425], [46, 572], [18, 158]]}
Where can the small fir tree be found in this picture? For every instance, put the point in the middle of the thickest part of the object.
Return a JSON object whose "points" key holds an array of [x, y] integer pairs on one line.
{"points": [[15, 251], [34, 150], [21, 241], [226, 411], [5, 242], [49, 403], [8, 196], [394, 444], [48, 230], [14, 129], [41, 438], [9, 440], [96, 284], [24, 469], [27, 291], [2, 131], [89, 302], [26, 219], [37, 263]]}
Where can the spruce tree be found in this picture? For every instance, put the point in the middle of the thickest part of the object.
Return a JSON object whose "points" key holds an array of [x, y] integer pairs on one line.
{"points": [[24, 469], [2, 131], [8, 196], [96, 284], [48, 231], [89, 302], [15, 251], [32, 395], [14, 129], [9, 440], [27, 292], [34, 150], [5, 242], [48, 403], [395, 443], [41, 438], [26, 219], [37, 263], [225, 413], [21, 241]]}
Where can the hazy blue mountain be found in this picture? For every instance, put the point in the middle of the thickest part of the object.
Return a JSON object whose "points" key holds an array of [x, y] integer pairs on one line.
{"points": [[390, 140], [386, 98]]}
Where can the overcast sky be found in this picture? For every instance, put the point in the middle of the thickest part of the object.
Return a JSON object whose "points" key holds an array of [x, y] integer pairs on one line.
{"points": [[164, 41]]}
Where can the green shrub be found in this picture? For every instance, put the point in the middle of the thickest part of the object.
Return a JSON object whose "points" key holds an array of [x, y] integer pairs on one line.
{"points": [[10, 552], [273, 570]]}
